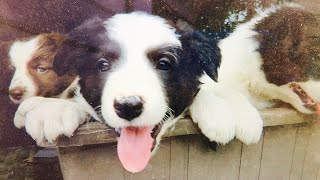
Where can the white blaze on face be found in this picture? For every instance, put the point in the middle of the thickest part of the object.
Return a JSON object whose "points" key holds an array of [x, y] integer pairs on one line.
{"points": [[20, 55], [134, 74]]}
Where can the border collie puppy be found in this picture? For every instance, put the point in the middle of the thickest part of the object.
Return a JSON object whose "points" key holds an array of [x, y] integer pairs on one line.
{"points": [[145, 76], [275, 56], [31, 63]]}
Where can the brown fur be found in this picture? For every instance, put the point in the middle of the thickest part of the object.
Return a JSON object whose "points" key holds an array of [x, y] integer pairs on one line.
{"points": [[48, 83], [305, 98], [290, 46]]}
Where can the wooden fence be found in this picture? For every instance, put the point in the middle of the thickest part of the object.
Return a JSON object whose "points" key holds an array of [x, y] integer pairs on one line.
{"points": [[289, 149]]}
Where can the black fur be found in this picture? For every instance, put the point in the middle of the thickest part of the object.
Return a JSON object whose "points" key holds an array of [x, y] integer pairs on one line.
{"points": [[88, 43], [203, 50], [79, 55], [197, 56]]}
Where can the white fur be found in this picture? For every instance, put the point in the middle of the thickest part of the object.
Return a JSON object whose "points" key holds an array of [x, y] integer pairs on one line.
{"points": [[213, 115], [45, 119], [223, 113], [241, 68], [136, 34], [20, 54]]}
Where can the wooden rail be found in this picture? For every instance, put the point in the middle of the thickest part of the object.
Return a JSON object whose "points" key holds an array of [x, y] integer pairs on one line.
{"points": [[99, 133]]}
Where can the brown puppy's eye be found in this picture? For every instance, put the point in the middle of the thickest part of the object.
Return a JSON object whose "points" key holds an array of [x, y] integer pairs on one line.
{"points": [[103, 65], [41, 70]]}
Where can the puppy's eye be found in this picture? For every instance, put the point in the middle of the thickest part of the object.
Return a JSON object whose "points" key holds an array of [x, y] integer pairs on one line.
{"points": [[41, 70], [164, 64], [103, 65]]}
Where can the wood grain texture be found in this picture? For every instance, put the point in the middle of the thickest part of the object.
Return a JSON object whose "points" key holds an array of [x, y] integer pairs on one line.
{"points": [[207, 164], [312, 158], [98, 133], [179, 158], [250, 161], [90, 162], [301, 143], [277, 153]]}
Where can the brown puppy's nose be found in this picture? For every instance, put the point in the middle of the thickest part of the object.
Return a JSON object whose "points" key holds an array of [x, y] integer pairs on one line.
{"points": [[128, 107], [16, 93]]}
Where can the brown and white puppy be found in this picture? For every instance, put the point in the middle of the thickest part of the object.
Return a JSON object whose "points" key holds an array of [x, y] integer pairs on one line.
{"points": [[31, 62], [275, 56], [41, 92]]}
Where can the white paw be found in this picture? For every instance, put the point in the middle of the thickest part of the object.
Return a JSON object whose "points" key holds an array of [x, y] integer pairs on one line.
{"points": [[249, 124], [24, 107], [213, 115], [51, 118]]}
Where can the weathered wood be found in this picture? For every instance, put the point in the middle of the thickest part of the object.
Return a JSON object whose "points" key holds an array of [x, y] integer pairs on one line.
{"points": [[277, 153], [284, 152], [179, 158], [250, 161], [302, 136], [158, 167], [312, 159], [90, 162], [98, 133], [206, 164]]}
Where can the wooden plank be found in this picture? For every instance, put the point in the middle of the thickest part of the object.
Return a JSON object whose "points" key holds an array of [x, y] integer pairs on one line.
{"points": [[158, 167], [98, 133], [250, 161], [285, 116], [302, 136], [206, 164], [90, 162], [277, 153], [179, 158], [312, 158]]}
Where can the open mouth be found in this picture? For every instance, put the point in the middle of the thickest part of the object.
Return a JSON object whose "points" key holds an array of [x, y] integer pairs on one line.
{"points": [[135, 146]]}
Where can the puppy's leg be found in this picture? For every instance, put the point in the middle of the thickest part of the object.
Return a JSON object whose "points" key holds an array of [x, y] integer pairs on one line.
{"points": [[249, 124], [24, 107], [213, 114], [52, 118], [234, 110], [287, 93]]}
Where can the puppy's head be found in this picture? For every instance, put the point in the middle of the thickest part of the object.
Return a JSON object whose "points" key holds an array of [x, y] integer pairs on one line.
{"points": [[145, 73], [31, 61]]}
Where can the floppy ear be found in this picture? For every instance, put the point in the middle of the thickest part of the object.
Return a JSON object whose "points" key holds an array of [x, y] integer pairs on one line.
{"points": [[203, 51], [79, 47]]}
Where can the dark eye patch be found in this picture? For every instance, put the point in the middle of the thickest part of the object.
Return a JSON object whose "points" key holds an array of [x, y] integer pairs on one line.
{"points": [[164, 58]]}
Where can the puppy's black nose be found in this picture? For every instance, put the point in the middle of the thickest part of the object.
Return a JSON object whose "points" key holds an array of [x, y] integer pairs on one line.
{"points": [[128, 107]]}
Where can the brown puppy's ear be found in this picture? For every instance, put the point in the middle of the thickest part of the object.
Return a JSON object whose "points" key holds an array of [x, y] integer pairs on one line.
{"points": [[202, 50], [80, 46]]}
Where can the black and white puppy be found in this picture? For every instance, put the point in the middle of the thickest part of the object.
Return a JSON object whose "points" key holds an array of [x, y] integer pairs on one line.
{"points": [[144, 76]]}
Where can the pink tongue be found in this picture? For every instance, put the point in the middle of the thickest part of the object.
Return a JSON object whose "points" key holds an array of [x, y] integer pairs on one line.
{"points": [[134, 148]]}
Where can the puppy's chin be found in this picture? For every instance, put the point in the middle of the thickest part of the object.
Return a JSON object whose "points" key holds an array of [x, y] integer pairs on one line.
{"points": [[15, 101]]}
